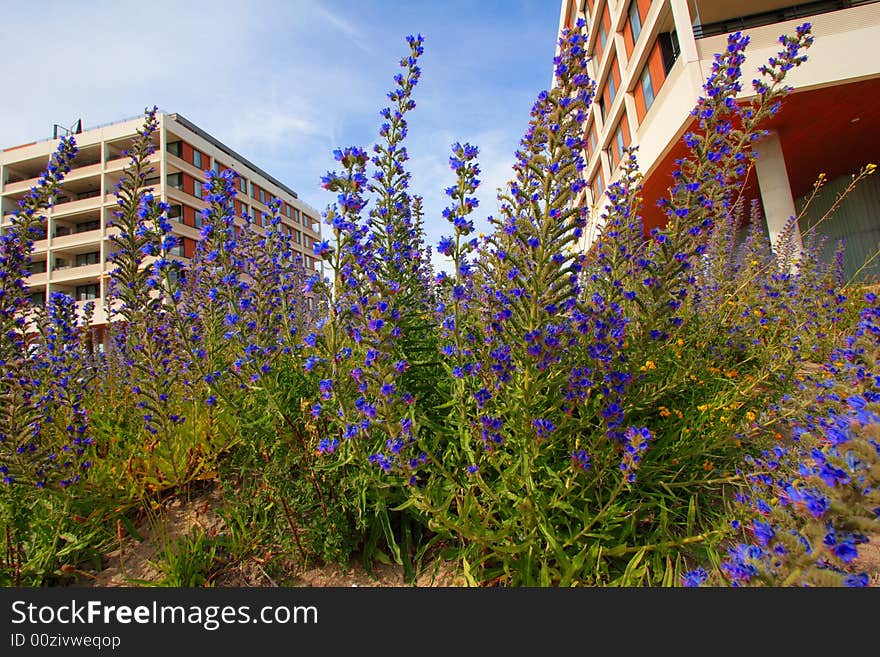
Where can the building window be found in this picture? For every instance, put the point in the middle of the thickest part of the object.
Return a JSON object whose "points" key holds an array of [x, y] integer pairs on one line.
{"points": [[175, 148], [198, 220], [38, 267], [85, 259], [197, 188], [619, 141], [669, 49], [242, 185], [175, 212], [296, 216], [635, 21], [297, 237], [197, 159], [287, 210], [251, 186], [86, 226], [38, 298], [178, 249], [175, 180], [647, 88], [598, 185], [603, 36], [262, 196], [612, 88], [215, 165], [87, 292]]}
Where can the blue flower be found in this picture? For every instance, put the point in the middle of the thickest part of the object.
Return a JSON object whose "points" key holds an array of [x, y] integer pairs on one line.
{"points": [[695, 578]]}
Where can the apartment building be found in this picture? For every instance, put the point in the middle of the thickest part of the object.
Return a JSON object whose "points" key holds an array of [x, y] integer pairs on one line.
{"points": [[650, 59], [73, 256]]}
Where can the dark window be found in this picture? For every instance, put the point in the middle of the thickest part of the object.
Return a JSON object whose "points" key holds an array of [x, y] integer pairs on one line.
{"points": [[175, 212], [84, 259], [668, 49], [175, 180], [86, 226], [175, 148], [86, 292], [197, 159], [37, 267], [216, 166], [197, 188], [242, 185], [38, 298]]}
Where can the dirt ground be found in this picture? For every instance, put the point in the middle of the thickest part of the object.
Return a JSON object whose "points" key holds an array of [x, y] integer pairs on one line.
{"points": [[134, 562]]}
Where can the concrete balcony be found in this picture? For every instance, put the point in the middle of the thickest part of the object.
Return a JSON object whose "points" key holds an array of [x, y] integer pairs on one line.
{"points": [[77, 239], [37, 279], [72, 274], [41, 246], [79, 205], [117, 164], [75, 174]]}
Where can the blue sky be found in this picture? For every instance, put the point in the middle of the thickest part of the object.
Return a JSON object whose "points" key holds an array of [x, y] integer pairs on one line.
{"points": [[284, 83]]}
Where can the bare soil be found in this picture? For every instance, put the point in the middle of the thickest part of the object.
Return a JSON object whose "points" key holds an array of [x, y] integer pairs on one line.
{"points": [[135, 561]]}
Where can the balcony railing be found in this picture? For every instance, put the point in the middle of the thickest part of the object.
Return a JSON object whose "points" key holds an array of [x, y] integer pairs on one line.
{"points": [[793, 12]]}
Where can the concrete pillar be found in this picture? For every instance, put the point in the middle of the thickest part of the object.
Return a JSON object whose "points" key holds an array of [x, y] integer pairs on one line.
{"points": [[685, 30], [775, 189]]}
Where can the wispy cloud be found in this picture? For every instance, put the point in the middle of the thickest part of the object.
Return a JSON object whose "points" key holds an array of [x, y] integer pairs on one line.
{"points": [[342, 25]]}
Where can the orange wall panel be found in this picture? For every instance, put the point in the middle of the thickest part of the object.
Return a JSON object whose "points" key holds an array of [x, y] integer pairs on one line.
{"points": [[628, 38], [639, 97], [655, 62]]}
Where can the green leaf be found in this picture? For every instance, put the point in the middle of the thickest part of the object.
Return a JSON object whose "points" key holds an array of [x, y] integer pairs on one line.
{"points": [[692, 515]]}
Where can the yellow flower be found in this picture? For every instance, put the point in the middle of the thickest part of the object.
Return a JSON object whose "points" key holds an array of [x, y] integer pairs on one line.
{"points": [[678, 413], [702, 407], [650, 365], [664, 412], [750, 416], [708, 466], [680, 342]]}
